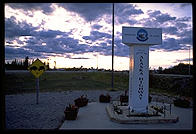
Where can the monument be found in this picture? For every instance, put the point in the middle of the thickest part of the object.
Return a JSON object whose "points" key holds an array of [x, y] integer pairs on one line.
{"points": [[139, 110], [139, 39]]}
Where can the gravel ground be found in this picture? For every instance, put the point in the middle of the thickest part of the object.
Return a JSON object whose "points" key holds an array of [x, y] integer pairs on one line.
{"points": [[22, 112]]}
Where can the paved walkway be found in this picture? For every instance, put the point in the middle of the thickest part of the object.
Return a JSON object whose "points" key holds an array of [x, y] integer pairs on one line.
{"points": [[94, 116]]}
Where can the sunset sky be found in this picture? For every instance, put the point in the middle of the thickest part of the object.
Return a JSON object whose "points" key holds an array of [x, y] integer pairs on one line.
{"points": [[80, 34]]}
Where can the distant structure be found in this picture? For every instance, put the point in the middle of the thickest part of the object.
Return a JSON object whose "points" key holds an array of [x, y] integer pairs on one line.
{"points": [[54, 65]]}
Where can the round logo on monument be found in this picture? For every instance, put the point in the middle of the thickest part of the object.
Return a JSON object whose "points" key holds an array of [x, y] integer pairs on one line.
{"points": [[142, 35]]}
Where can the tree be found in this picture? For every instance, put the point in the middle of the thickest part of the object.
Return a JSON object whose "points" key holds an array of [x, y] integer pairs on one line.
{"points": [[181, 68], [26, 62], [160, 70]]}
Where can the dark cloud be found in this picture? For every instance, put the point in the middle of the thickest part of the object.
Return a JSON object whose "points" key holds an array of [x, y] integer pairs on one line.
{"points": [[55, 45], [152, 13], [169, 44], [79, 58], [181, 26], [58, 42], [99, 35], [184, 60], [185, 5], [185, 33], [44, 7], [185, 40], [96, 35], [124, 13], [11, 53], [48, 34], [184, 19], [160, 17], [96, 26], [164, 17], [170, 30], [93, 11], [9, 42], [121, 49], [14, 29], [89, 11], [149, 22]]}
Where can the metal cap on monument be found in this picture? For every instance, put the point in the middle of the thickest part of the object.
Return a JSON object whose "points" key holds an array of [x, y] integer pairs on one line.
{"points": [[141, 35]]}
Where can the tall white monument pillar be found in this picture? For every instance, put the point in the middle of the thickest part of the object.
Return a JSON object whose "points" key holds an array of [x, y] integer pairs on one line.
{"points": [[139, 40]]}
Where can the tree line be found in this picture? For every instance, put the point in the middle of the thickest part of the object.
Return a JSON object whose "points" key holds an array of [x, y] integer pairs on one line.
{"points": [[181, 68], [20, 64]]}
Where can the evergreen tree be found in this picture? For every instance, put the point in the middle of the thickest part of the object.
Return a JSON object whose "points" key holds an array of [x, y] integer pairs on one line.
{"points": [[26, 62]]}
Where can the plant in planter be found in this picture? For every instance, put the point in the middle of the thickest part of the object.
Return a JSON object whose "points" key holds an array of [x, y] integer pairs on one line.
{"points": [[158, 109], [124, 98], [150, 99], [104, 98], [81, 101], [71, 112], [182, 102]]}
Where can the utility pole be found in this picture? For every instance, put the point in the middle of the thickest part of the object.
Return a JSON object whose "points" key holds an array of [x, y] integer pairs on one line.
{"points": [[189, 61], [112, 46], [54, 65], [97, 62]]}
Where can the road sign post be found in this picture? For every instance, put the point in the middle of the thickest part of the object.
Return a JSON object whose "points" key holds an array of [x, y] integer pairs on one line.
{"points": [[37, 90], [139, 40], [37, 68]]}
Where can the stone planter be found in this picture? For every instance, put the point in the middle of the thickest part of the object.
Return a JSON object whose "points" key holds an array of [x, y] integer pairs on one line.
{"points": [[104, 98], [81, 102], [71, 112]]}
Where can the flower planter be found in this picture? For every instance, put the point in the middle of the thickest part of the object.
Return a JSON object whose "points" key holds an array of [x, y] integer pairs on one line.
{"points": [[182, 103], [82, 101], [71, 112], [104, 98], [124, 98], [150, 99]]}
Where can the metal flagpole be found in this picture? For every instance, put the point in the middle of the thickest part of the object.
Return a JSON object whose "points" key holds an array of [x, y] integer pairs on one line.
{"points": [[189, 61], [113, 46]]}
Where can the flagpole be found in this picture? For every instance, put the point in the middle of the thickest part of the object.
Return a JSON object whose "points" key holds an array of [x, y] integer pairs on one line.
{"points": [[112, 46]]}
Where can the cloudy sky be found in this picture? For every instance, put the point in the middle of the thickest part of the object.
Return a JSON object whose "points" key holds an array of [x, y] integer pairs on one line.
{"points": [[80, 34]]}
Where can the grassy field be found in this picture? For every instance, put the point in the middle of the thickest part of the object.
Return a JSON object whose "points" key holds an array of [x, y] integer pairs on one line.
{"points": [[24, 82]]}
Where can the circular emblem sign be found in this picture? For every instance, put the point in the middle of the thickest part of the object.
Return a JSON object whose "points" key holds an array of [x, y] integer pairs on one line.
{"points": [[142, 35]]}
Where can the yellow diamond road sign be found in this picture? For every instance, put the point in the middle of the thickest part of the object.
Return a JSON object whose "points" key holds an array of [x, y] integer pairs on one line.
{"points": [[37, 68]]}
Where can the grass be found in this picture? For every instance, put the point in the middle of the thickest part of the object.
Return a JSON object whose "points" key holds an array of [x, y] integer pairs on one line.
{"points": [[24, 82], [160, 91]]}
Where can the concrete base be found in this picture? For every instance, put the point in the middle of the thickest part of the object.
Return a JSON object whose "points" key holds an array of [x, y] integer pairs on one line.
{"points": [[122, 114], [94, 116]]}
